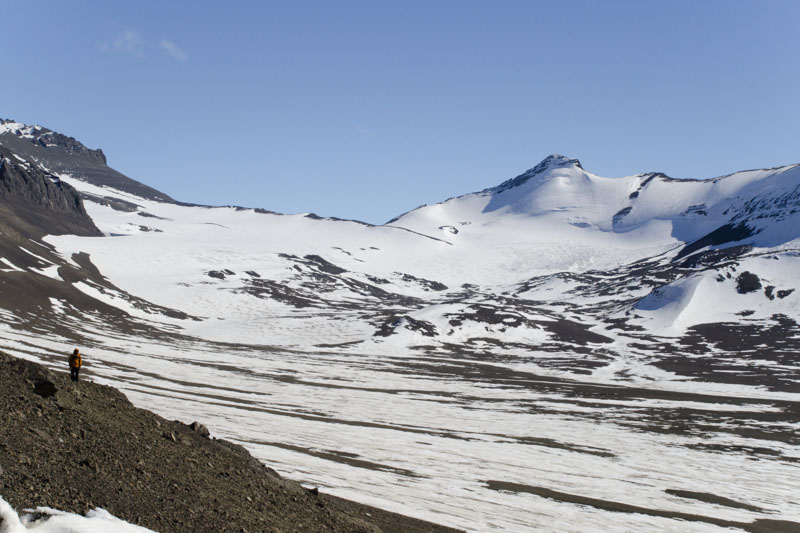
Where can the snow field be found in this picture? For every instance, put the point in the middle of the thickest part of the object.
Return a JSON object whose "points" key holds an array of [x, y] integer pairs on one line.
{"points": [[95, 521], [388, 425], [433, 443]]}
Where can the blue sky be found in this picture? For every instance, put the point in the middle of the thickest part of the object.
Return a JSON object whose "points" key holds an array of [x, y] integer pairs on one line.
{"points": [[367, 109]]}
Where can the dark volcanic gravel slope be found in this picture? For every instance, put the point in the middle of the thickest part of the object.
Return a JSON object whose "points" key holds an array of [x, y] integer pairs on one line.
{"points": [[76, 447]]}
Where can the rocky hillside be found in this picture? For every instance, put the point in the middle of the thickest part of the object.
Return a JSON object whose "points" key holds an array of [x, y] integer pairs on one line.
{"points": [[77, 447], [35, 203], [61, 153]]}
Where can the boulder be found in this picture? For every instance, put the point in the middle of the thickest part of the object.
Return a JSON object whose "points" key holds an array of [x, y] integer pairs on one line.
{"points": [[200, 429]]}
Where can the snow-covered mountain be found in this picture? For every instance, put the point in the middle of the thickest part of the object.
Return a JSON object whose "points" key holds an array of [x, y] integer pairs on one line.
{"points": [[508, 322]]}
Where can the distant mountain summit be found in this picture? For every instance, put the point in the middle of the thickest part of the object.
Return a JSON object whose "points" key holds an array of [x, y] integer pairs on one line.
{"points": [[62, 154], [559, 190], [553, 161]]}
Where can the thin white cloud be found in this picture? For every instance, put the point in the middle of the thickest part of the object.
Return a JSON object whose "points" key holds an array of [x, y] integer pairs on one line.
{"points": [[173, 51], [128, 42], [364, 133]]}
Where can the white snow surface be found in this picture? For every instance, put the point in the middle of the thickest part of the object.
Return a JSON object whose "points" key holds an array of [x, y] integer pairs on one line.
{"points": [[47, 520], [300, 385], [559, 220], [15, 127], [709, 297]]}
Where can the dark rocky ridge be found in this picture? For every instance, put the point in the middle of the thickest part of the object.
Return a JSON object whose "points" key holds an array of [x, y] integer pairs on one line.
{"points": [[551, 161], [60, 153], [35, 203], [76, 447]]}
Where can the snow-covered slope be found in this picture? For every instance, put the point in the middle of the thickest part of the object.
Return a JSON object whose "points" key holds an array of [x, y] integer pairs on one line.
{"points": [[476, 359], [236, 271], [630, 212]]}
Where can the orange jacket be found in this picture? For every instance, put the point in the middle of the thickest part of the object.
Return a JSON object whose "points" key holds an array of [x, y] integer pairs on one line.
{"points": [[75, 360]]}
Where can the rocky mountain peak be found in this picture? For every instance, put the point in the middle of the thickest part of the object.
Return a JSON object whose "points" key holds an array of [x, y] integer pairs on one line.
{"points": [[47, 138], [60, 153], [553, 161], [558, 161]]}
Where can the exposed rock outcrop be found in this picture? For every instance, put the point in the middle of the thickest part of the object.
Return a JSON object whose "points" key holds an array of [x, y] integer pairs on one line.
{"points": [[61, 153], [35, 203]]}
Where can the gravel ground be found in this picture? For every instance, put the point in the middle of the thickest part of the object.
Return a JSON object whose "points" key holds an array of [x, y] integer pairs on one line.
{"points": [[75, 447]]}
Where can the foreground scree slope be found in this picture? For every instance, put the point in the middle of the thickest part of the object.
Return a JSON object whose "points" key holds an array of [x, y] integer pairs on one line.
{"points": [[76, 446], [560, 350]]}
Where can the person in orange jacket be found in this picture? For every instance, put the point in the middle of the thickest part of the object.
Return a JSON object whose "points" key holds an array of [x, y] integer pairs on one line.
{"points": [[75, 363]]}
